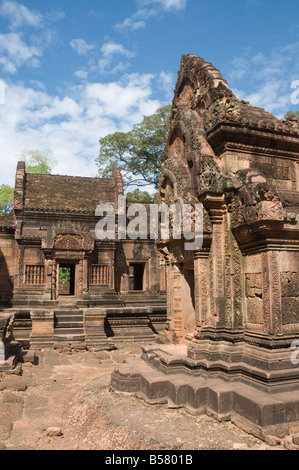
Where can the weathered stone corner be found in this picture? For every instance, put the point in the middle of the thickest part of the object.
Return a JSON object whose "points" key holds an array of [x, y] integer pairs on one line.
{"points": [[232, 306]]}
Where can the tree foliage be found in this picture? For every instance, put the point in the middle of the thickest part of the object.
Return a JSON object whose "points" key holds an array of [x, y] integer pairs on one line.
{"points": [[138, 195], [6, 198], [292, 112], [39, 161], [138, 153], [64, 275]]}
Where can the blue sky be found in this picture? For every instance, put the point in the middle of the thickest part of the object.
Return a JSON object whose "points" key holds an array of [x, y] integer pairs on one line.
{"points": [[74, 71]]}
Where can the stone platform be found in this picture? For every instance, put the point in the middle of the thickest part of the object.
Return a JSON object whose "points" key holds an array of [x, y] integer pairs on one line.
{"points": [[163, 374]]}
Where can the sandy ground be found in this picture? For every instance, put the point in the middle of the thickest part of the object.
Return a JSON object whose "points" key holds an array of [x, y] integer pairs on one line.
{"points": [[70, 392]]}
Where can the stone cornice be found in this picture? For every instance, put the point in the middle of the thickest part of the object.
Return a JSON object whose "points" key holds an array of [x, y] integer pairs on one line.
{"points": [[231, 135], [266, 235]]}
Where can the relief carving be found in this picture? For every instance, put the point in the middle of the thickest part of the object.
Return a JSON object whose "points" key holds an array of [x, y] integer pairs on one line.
{"points": [[68, 242]]}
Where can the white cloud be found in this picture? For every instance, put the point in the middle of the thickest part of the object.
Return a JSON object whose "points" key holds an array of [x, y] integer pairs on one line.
{"points": [[71, 126], [15, 53], [119, 100], [149, 9], [111, 50], [167, 4], [19, 15], [111, 58], [167, 83], [20, 47], [81, 74], [96, 14], [131, 24], [270, 76], [239, 68], [55, 15], [269, 96], [81, 46]]}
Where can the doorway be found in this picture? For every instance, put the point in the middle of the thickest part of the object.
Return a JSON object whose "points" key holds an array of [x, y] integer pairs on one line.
{"points": [[136, 276], [189, 276], [66, 280]]}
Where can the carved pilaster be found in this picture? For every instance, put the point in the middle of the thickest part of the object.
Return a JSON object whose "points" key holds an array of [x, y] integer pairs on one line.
{"points": [[17, 265], [271, 294], [177, 309], [21, 265], [54, 280], [80, 278], [202, 289]]}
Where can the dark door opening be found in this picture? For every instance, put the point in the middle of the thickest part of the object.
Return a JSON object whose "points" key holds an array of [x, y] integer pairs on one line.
{"points": [[136, 276], [67, 279], [189, 276]]}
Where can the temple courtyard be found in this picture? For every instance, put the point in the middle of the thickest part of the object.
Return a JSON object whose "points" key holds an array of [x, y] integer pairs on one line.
{"points": [[155, 342], [63, 401]]}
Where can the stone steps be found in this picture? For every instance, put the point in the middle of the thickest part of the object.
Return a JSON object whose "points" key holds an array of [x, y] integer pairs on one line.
{"points": [[68, 325], [65, 337], [69, 331], [254, 410], [71, 317]]}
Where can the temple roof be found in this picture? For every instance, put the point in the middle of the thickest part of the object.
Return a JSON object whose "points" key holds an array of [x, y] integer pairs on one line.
{"points": [[209, 91], [7, 221], [66, 193]]}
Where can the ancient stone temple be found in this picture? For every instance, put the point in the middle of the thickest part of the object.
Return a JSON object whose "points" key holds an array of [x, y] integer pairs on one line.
{"points": [[229, 348], [60, 282]]}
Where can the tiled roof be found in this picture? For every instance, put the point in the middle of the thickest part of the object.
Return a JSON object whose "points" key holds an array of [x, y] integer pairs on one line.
{"points": [[66, 193], [7, 220]]}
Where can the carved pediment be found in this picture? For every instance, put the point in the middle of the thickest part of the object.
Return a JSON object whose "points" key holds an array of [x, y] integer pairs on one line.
{"points": [[70, 236], [68, 241]]}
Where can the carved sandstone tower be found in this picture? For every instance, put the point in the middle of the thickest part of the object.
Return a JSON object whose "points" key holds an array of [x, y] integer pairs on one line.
{"points": [[233, 305]]}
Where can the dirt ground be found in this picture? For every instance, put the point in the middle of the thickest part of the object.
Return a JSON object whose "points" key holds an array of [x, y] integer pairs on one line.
{"points": [[65, 403]]}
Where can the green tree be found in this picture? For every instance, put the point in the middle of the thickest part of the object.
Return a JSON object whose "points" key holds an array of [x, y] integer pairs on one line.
{"points": [[138, 153], [292, 112], [64, 275], [39, 161], [6, 198], [138, 195]]}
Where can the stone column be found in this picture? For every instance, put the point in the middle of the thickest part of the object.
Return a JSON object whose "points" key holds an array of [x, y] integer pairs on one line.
{"points": [[162, 276], [80, 278], [112, 274], [48, 279], [174, 303], [85, 275], [216, 210], [94, 326], [42, 329], [17, 266], [21, 265]]}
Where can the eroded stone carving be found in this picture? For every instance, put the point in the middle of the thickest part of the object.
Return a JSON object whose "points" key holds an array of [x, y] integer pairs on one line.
{"points": [[232, 157]]}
